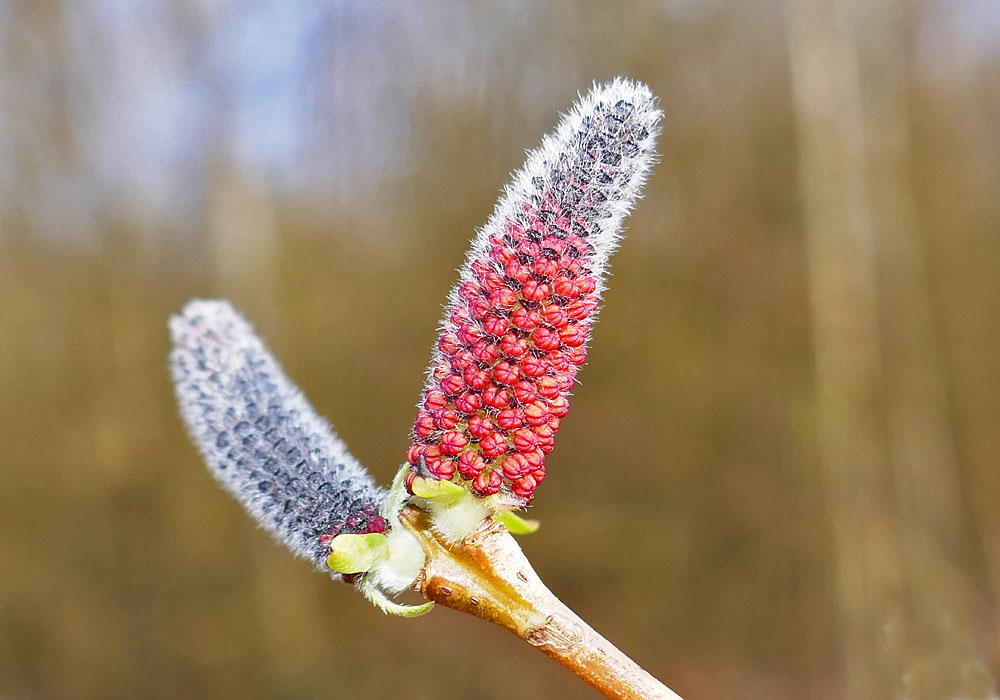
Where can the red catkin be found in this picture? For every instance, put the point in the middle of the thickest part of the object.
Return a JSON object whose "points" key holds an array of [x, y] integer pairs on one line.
{"points": [[519, 320]]}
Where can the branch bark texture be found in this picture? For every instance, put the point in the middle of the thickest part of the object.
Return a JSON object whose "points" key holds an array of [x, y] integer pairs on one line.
{"points": [[487, 575]]}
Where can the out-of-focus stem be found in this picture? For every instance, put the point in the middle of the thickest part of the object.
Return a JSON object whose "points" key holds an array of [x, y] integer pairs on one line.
{"points": [[842, 289], [882, 417], [487, 575]]}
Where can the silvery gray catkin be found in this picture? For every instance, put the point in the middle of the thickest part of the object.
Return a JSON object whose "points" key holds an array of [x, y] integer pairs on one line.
{"points": [[262, 440]]}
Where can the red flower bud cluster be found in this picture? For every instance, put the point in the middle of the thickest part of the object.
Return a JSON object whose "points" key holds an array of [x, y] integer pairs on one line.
{"points": [[508, 358], [519, 320]]}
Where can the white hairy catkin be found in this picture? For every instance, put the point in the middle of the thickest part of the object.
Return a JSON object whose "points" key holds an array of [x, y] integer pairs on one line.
{"points": [[262, 440]]}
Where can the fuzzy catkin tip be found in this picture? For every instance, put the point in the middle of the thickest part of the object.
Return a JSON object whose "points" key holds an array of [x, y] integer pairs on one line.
{"points": [[518, 321], [262, 440]]}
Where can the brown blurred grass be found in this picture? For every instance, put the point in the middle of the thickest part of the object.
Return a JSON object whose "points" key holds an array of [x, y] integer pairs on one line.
{"points": [[687, 514]]}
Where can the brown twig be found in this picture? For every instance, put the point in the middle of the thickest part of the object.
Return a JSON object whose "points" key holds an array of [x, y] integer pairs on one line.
{"points": [[487, 575]]}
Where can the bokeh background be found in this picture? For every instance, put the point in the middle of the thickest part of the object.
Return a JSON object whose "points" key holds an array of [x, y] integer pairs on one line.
{"points": [[780, 475]]}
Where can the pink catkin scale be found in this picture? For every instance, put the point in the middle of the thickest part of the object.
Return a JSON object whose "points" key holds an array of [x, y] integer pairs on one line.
{"points": [[518, 320]]}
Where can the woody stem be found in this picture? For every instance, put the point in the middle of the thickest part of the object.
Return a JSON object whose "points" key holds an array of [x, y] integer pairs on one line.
{"points": [[487, 575]]}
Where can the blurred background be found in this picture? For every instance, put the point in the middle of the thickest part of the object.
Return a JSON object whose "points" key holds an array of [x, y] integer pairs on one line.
{"points": [[780, 475]]}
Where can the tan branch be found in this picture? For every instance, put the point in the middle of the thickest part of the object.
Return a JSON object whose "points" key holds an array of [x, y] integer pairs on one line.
{"points": [[487, 575]]}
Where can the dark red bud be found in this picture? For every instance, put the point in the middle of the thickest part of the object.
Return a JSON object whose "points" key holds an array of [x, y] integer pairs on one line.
{"points": [[524, 391], [453, 442], [536, 458], [468, 290], [536, 291], [563, 381], [546, 338], [413, 454], [524, 319], [452, 384], [470, 464], [502, 255], [445, 419], [468, 402], [510, 419], [577, 309], [484, 352], [519, 273], [480, 426], [515, 466], [469, 333], [515, 347], [577, 355], [543, 431], [479, 308], [547, 387], [462, 359], [559, 406], [573, 336], [492, 281], [424, 426], [557, 361], [495, 396], [449, 343], [524, 486], [545, 268], [377, 524], [496, 326], [487, 483], [523, 440], [435, 400], [493, 445], [532, 366], [476, 379], [505, 373], [555, 316], [536, 413], [444, 469], [503, 298], [563, 286]]}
